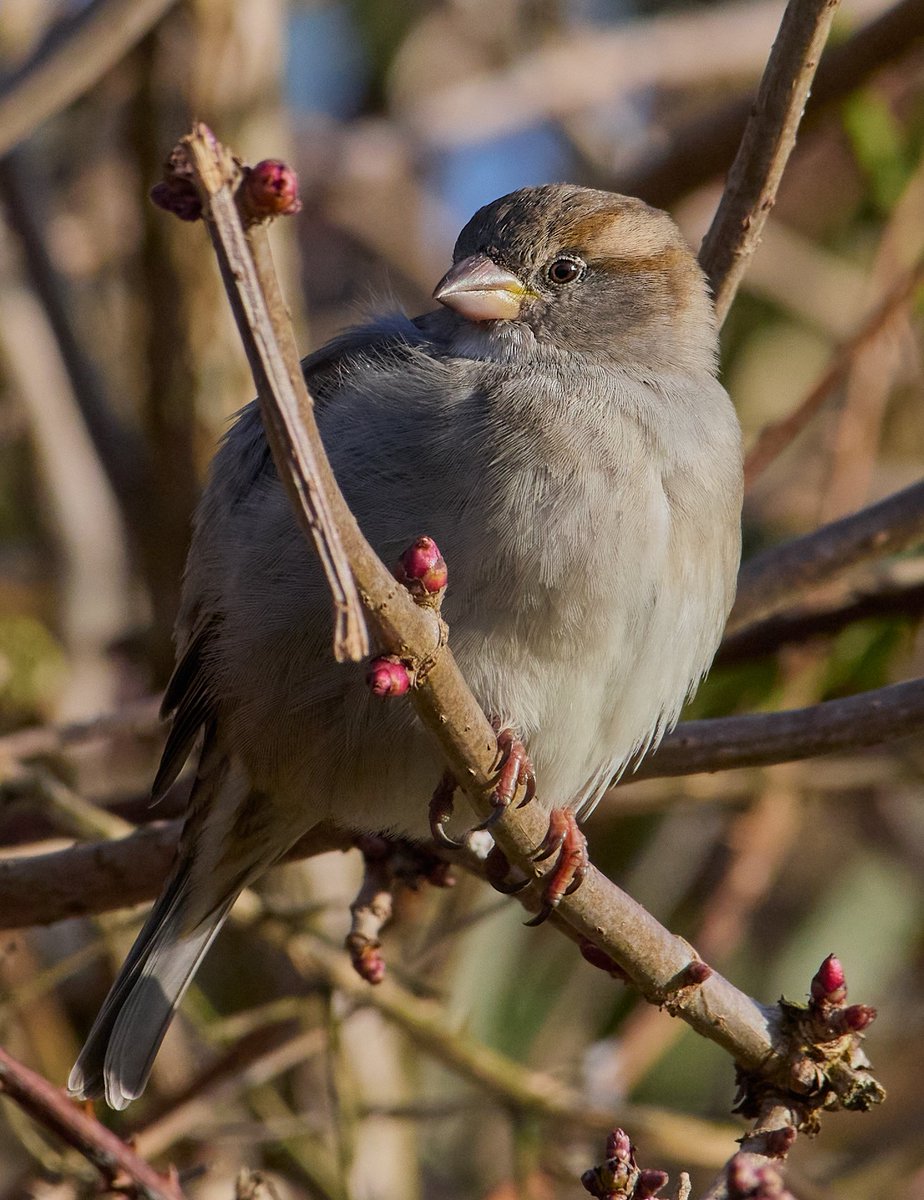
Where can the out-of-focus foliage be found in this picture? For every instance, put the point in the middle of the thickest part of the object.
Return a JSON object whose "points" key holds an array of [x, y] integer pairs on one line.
{"points": [[401, 118]]}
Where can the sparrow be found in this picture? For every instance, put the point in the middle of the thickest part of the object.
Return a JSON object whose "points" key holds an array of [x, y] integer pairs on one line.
{"points": [[556, 425]]}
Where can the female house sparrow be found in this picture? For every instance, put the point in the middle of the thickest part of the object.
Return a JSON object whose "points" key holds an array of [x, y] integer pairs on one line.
{"points": [[558, 428]]}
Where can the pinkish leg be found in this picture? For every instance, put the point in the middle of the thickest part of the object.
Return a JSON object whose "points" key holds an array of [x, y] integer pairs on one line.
{"points": [[565, 840], [515, 770]]}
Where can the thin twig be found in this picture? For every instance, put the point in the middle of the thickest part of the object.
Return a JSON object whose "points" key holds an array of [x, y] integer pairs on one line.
{"points": [[55, 77], [427, 1023], [773, 439], [769, 137], [53, 1110]]}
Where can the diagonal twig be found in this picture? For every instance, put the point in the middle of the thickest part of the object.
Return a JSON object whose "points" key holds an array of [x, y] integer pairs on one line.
{"points": [[777, 577], [285, 404], [768, 139], [55, 1111], [773, 439]]}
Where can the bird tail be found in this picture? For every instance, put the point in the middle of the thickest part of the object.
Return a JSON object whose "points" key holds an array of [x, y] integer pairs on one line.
{"points": [[126, 1035], [215, 861]]}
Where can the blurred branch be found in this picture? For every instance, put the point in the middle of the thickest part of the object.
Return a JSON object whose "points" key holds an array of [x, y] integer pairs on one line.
{"points": [[766, 144], [704, 147], [773, 439], [117, 1162], [138, 719], [121, 454], [429, 1027], [60, 72], [782, 575], [760, 739]]}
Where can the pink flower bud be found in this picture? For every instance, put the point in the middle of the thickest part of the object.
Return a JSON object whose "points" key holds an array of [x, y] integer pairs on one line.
{"points": [[743, 1178], [177, 196], [829, 986], [421, 568], [856, 1017], [387, 676], [619, 1146], [649, 1183], [270, 189]]}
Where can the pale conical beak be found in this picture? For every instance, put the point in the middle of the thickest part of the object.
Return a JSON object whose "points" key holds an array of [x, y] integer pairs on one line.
{"points": [[479, 290]]}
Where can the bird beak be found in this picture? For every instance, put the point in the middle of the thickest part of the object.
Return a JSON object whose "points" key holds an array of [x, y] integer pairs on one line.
{"points": [[479, 290]]}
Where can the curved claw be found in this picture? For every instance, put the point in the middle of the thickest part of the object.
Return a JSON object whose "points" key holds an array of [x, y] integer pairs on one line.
{"points": [[491, 821], [440, 810], [540, 918], [529, 793], [566, 876], [497, 866]]}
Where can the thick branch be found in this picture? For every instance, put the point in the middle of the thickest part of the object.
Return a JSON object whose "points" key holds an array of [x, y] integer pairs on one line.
{"points": [[54, 1111], [769, 137], [771, 580], [759, 739], [793, 628], [55, 77]]}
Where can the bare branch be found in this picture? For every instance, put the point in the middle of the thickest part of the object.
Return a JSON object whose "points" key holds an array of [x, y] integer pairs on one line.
{"points": [[285, 404], [780, 576], [56, 1112], [54, 78], [801, 625], [768, 140]]}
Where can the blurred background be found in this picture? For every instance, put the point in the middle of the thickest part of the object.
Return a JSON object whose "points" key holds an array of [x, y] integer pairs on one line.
{"points": [[493, 1065]]}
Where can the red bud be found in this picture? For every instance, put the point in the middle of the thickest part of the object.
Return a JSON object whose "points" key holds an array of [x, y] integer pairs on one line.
{"points": [[269, 189], [743, 1178], [421, 568], [649, 1183], [857, 1016], [829, 985], [387, 676], [696, 972], [619, 1145]]}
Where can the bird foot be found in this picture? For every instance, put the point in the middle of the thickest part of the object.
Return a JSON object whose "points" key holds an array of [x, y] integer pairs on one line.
{"points": [[514, 770], [565, 840]]}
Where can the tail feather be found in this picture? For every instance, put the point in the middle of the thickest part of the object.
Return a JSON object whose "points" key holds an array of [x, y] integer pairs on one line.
{"points": [[119, 1053]]}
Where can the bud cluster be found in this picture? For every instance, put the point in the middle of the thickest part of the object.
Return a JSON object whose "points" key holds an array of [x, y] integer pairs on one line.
{"points": [[619, 1177], [748, 1180]]}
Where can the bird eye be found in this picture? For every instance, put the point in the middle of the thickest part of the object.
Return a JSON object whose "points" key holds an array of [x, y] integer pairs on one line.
{"points": [[565, 270]]}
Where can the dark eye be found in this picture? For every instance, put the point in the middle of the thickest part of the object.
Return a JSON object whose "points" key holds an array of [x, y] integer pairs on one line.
{"points": [[565, 270]]}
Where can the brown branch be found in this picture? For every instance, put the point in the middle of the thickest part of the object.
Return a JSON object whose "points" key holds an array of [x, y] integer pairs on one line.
{"points": [[56, 76], [53, 1110], [704, 147], [101, 876], [781, 575], [773, 439], [138, 719], [768, 139], [760, 739], [802, 625]]}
